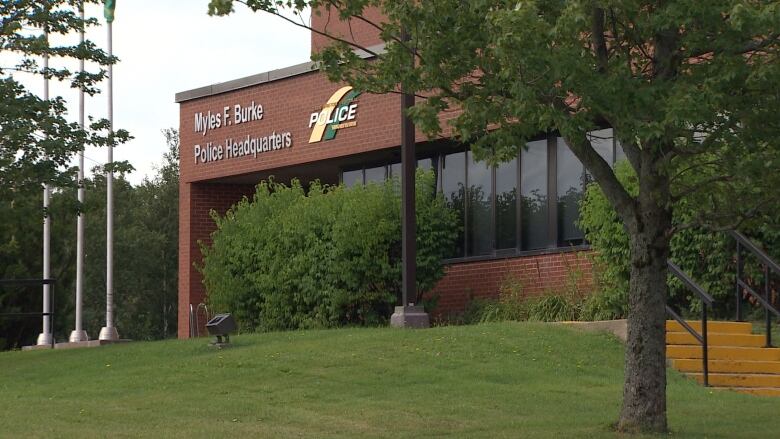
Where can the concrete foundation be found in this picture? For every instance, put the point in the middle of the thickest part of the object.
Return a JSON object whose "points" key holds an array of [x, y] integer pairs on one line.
{"points": [[410, 317], [75, 345]]}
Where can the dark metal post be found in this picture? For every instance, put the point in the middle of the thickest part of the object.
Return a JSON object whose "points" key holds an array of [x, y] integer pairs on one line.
{"points": [[738, 289], [704, 346], [409, 226], [768, 297], [408, 314]]}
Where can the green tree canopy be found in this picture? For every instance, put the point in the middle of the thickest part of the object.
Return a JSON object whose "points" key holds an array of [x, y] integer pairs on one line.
{"points": [[147, 231], [36, 140]]}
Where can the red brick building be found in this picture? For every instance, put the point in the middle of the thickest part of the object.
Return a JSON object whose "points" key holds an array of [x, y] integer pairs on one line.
{"points": [[518, 218]]}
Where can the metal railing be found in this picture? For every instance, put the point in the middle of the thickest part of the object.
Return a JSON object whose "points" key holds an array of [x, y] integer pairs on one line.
{"points": [[707, 301], [195, 321], [33, 282], [742, 285]]}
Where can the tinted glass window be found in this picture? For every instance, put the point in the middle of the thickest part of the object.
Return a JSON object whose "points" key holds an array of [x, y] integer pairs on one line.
{"points": [[570, 175], [453, 187], [424, 164], [480, 212], [375, 175], [351, 178], [395, 170], [533, 187], [602, 141], [506, 205]]}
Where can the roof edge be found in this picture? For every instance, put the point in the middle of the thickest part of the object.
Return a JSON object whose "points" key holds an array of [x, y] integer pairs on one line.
{"points": [[261, 78]]}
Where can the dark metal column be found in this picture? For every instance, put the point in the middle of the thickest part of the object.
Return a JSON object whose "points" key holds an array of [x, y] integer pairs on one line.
{"points": [[408, 314], [408, 217]]}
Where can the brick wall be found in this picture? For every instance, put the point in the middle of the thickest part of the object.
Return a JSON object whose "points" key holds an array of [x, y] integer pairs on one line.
{"points": [[357, 31], [537, 274], [196, 201]]}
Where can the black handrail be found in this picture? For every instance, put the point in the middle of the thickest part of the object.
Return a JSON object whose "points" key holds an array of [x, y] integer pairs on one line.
{"points": [[740, 284], [693, 286], [748, 244], [707, 301], [33, 282]]}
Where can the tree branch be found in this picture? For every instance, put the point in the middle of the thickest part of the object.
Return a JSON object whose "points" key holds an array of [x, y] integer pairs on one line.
{"points": [[701, 185], [276, 13], [599, 43]]}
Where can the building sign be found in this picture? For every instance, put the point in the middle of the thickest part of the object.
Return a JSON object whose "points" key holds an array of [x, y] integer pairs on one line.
{"points": [[236, 147], [211, 121], [339, 112]]}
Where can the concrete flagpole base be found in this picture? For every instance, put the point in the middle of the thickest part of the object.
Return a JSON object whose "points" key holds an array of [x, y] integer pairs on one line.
{"points": [[411, 316], [44, 339], [108, 333], [77, 336]]}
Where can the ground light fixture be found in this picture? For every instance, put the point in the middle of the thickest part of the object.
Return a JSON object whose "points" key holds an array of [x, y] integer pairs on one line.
{"points": [[220, 326]]}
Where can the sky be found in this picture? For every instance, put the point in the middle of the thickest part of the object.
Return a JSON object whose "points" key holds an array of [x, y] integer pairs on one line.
{"points": [[169, 46]]}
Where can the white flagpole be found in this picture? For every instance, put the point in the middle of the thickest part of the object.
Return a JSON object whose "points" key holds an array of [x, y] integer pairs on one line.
{"points": [[109, 332], [79, 334], [45, 337]]}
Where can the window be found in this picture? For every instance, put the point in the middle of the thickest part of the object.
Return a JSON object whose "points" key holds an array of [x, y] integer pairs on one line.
{"points": [[603, 142], [395, 171], [570, 182], [533, 187], [479, 206], [453, 185], [506, 208], [351, 178], [506, 205], [375, 175], [425, 164]]}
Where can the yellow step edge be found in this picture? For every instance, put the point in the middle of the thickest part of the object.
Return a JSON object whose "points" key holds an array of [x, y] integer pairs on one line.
{"points": [[723, 353], [728, 366], [717, 339], [712, 326], [738, 380]]}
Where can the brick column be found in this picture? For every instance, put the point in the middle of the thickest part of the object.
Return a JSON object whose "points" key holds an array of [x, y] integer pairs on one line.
{"points": [[196, 201]]}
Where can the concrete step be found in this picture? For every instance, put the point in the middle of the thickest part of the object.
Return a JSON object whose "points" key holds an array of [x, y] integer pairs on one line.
{"points": [[728, 366], [717, 339], [712, 326], [739, 379], [723, 353]]}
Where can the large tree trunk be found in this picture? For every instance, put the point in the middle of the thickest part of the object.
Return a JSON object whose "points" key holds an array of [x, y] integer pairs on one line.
{"points": [[644, 390]]}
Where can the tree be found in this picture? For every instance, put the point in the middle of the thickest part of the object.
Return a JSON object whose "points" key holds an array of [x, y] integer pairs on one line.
{"points": [[690, 88], [146, 239], [36, 140], [146, 251]]}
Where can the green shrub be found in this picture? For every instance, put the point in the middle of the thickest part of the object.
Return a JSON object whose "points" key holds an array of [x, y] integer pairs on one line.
{"points": [[707, 257], [513, 304], [555, 307], [327, 256]]}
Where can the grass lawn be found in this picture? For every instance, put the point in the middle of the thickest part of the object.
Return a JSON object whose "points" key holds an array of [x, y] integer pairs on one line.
{"points": [[516, 380]]}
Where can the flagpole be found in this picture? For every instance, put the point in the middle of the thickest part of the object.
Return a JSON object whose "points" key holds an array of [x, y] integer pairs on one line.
{"points": [[109, 332], [45, 337], [79, 334]]}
